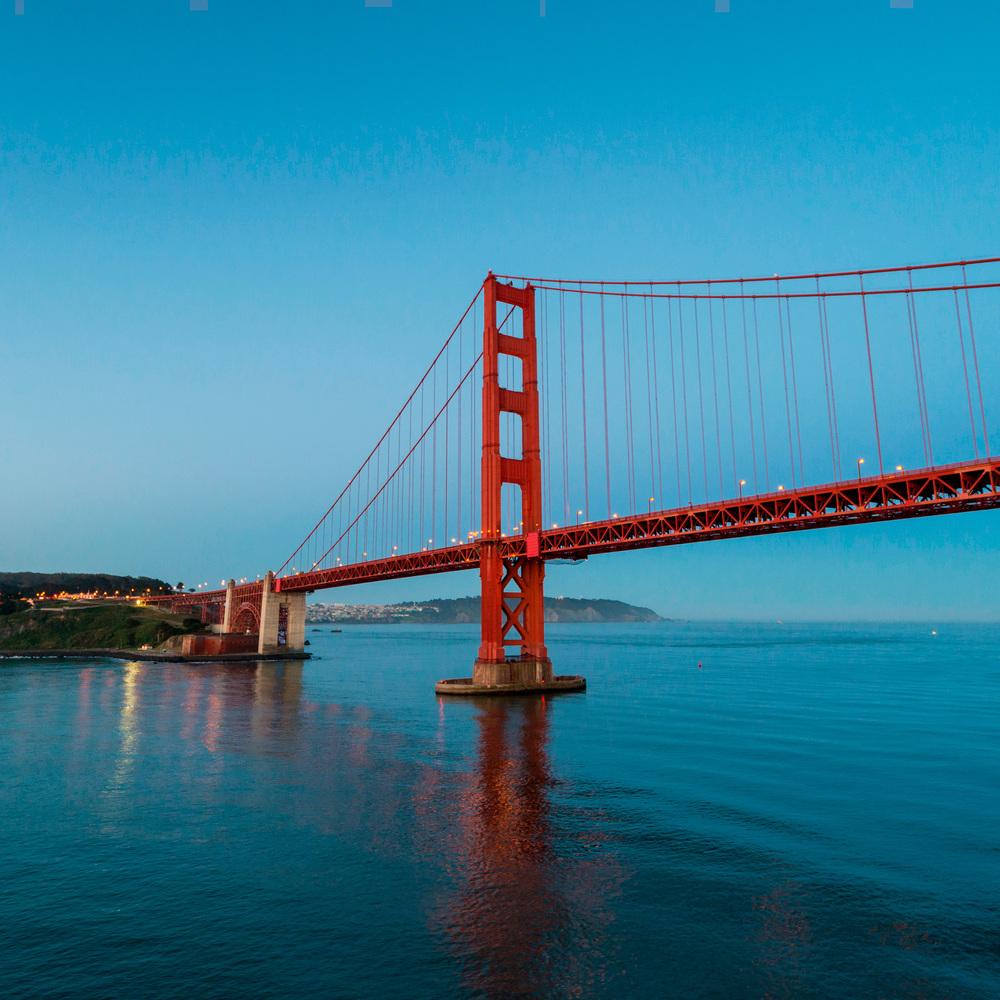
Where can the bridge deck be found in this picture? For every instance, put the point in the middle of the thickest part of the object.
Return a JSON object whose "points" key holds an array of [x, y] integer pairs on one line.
{"points": [[940, 490]]}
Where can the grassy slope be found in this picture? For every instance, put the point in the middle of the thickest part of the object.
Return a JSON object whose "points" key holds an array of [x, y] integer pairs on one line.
{"points": [[103, 626]]}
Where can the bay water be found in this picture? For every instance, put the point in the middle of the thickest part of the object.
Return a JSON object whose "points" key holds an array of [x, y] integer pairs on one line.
{"points": [[730, 810]]}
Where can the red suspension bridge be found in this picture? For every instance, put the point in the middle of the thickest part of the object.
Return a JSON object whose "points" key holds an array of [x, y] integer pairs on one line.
{"points": [[666, 413]]}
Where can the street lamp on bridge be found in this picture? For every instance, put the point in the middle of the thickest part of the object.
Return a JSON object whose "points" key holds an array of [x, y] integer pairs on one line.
{"points": [[861, 462]]}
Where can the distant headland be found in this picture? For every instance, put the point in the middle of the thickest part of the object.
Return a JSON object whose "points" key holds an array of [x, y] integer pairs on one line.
{"points": [[65, 611], [22, 588], [465, 610], [103, 612]]}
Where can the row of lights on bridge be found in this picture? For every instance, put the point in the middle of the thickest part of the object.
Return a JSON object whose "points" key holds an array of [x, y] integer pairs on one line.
{"points": [[475, 534]]}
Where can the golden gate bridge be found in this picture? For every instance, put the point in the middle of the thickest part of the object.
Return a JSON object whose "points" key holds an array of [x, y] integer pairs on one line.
{"points": [[563, 419]]}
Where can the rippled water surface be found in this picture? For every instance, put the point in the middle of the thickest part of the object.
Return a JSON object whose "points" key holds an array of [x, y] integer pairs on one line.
{"points": [[814, 812]]}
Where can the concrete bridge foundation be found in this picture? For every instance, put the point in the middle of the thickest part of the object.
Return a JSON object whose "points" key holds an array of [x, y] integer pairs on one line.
{"points": [[282, 620]]}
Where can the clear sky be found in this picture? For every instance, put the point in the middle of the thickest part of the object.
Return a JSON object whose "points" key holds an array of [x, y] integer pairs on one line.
{"points": [[232, 239]]}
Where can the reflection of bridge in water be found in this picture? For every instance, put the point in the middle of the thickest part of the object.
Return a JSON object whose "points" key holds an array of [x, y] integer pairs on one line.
{"points": [[532, 902], [525, 879]]}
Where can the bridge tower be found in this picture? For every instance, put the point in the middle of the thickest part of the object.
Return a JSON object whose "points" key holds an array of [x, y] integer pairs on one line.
{"points": [[512, 584]]}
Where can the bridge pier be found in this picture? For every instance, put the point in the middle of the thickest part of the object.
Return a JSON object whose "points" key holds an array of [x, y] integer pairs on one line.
{"points": [[227, 615], [282, 620]]}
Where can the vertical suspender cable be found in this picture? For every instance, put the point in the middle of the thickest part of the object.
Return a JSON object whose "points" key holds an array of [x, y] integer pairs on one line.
{"points": [[729, 391], [447, 422], [684, 399], [423, 467], [649, 400], [673, 397], [760, 397], [701, 398], [656, 400], [975, 362], [746, 359], [826, 377], [627, 374], [545, 380], [434, 461], [795, 391], [871, 371], [833, 391], [565, 418], [916, 379], [474, 513], [965, 371], [715, 391], [458, 446], [583, 395], [604, 376], [784, 375]]}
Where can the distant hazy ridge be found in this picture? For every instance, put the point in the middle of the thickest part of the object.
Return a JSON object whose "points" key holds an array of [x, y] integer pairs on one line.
{"points": [[466, 610]]}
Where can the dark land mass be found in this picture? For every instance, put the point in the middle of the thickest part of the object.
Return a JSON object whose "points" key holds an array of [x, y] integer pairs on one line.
{"points": [[64, 625], [466, 610], [18, 586]]}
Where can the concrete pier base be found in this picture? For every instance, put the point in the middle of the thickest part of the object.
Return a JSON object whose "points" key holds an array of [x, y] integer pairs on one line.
{"points": [[511, 677], [282, 620], [512, 672]]}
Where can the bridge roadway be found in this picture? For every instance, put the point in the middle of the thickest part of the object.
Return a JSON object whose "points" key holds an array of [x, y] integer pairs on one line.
{"points": [[943, 489]]}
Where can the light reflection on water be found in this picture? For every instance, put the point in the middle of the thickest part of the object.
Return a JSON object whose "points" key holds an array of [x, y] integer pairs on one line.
{"points": [[813, 814], [527, 918]]}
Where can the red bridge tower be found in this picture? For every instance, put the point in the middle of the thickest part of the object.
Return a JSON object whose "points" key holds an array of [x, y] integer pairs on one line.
{"points": [[512, 583]]}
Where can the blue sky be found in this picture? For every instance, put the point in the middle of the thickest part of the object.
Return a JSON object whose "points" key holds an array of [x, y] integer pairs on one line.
{"points": [[232, 239]]}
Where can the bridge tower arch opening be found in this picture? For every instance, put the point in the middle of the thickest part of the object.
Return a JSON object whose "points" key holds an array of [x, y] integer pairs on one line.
{"points": [[246, 618]]}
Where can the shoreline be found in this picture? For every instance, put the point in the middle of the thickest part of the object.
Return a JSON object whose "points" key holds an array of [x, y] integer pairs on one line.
{"points": [[144, 654]]}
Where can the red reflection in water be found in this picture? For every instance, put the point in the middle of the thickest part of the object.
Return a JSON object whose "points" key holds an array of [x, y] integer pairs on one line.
{"points": [[528, 916], [783, 939]]}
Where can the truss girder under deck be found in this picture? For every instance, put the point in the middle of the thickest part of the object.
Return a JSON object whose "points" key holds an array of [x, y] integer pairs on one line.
{"points": [[940, 490]]}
